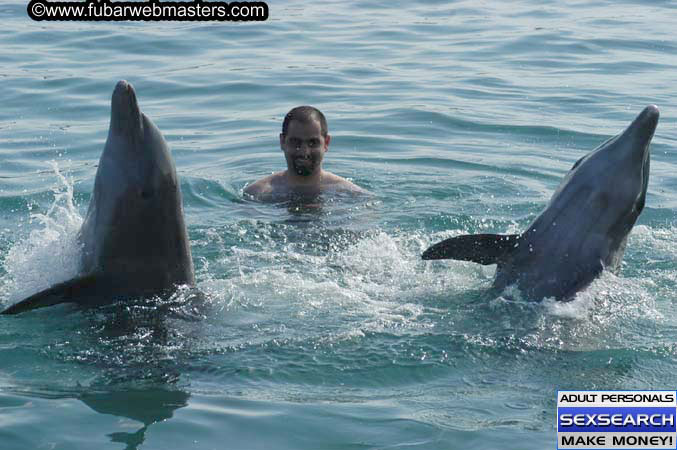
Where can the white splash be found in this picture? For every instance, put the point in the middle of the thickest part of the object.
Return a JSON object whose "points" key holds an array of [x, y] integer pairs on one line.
{"points": [[50, 253]]}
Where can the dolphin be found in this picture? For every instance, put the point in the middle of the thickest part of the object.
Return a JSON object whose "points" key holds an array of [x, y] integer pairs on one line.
{"points": [[583, 230], [134, 241]]}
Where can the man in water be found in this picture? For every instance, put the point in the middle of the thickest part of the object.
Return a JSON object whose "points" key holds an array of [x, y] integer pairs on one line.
{"points": [[304, 141]]}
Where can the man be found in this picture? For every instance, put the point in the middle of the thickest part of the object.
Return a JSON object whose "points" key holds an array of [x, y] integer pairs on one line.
{"points": [[304, 141]]}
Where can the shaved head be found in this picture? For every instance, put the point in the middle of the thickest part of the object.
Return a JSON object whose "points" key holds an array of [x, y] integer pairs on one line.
{"points": [[305, 114]]}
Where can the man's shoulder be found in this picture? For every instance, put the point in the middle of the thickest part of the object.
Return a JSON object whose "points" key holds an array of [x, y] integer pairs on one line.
{"points": [[333, 181], [265, 186], [258, 186]]}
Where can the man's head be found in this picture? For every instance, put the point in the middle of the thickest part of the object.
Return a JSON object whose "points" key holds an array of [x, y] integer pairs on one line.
{"points": [[304, 140]]}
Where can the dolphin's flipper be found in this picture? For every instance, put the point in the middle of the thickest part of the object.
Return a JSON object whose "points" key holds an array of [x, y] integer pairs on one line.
{"points": [[479, 248], [68, 291]]}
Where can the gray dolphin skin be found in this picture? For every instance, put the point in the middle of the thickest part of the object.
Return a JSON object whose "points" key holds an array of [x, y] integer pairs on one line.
{"points": [[582, 231], [134, 240]]}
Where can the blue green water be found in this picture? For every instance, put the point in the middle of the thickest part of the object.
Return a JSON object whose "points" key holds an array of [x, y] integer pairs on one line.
{"points": [[326, 329]]}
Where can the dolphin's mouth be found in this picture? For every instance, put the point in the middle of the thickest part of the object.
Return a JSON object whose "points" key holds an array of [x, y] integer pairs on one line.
{"points": [[644, 127], [125, 112], [649, 118], [648, 121]]}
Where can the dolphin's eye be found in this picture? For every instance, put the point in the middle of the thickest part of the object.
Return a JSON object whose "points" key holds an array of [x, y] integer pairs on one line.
{"points": [[602, 201]]}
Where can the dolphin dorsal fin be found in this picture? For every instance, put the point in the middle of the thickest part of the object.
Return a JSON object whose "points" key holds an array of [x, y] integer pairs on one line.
{"points": [[479, 248]]}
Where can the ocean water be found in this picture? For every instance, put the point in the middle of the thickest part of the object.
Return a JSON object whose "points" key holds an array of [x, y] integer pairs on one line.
{"points": [[326, 330]]}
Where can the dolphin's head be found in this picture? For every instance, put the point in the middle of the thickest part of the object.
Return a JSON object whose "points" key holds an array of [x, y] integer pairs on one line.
{"points": [[615, 175], [136, 152], [633, 158], [596, 205]]}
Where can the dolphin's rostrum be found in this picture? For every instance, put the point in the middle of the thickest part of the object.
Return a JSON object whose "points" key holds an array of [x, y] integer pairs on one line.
{"points": [[134, 240], [582, 231]]}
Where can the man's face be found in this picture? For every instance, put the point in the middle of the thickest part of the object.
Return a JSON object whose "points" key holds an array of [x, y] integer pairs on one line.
{"points": [[304, 147]]}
